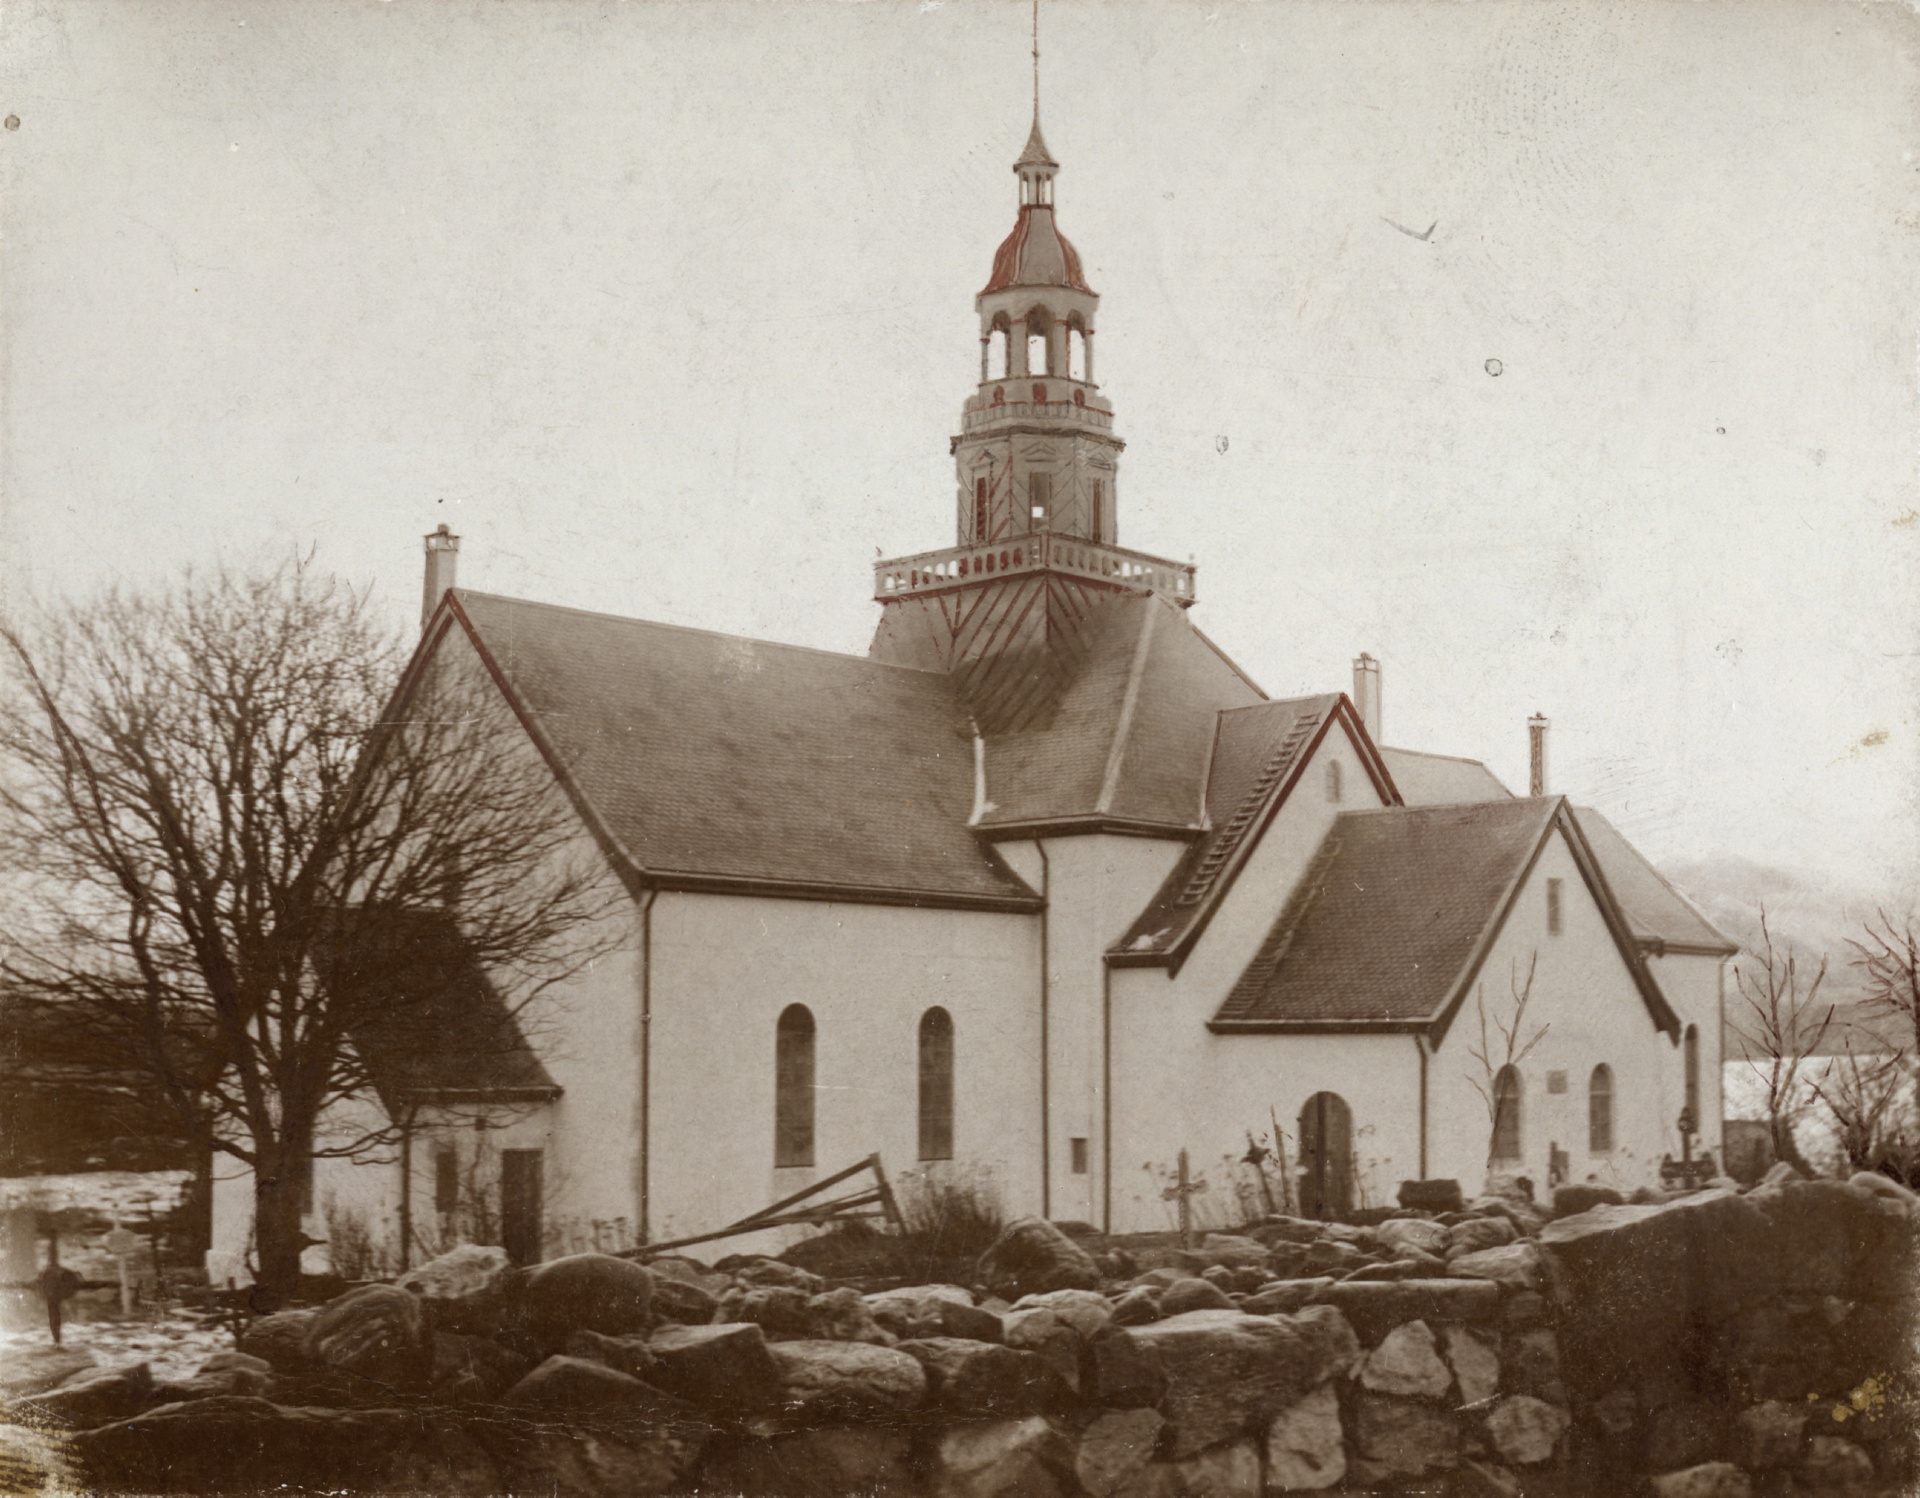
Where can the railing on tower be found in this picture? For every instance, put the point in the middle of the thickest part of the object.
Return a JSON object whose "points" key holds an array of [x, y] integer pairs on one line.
{"points": [[975, 417], [1038, 551]]}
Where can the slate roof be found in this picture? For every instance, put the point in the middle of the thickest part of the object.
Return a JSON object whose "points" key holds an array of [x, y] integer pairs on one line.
{"points": [[1660, 916], [1126, 735], [1256, 754], [716, 762], [1441, 779], [435, 1025]]}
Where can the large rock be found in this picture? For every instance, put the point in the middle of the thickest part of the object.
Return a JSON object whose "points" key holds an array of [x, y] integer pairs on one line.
{"points": [[782, 1310], [1376, 1308], [1514, 1266], [1405, 1436], [33, 1369], [562, 1460], [1231, 1470], [1000, 1459], [1120, 1372], [577, 1391], [1085, 1310], [240, 1445], [1525, 1430], [1138, 1306], [1193, 1295], [934, 1311], [1032, 1256], [456, 1274], [758, 1269], [582, 1292], [223, 1373], [1707, 1480], [683, 1301], [1229, 1373], [475, 1370], [977, 1379], [280, 1340], [1769, 1435], [1305, 1448], [1234, 1250], [1407, 1361], [831, 1463], [629, 1355], [855, 1380], [1574, 1198], [1114, 1449], [724, 1367], [1472, 1235], [1421, 1234], [376, 1338], [1283, 1297], [97, 1397], [843, 1315], [1474, 1361]]}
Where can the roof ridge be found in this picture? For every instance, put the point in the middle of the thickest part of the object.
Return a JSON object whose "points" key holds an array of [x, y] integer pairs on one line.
{"points": [[1279, 760]]}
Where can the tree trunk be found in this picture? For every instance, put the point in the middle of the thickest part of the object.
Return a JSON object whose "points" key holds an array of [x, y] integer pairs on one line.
{"points": [[278, 1202], [1785, 1146]]}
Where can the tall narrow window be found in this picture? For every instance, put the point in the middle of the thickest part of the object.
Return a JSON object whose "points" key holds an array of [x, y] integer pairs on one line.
{"points": [[1099, 527], [793, 1087], [1553, 907], [936, 1085], [980, 509], [1076, 352], [1040, 498], [1692, 1048], [1506, 1117], [1600, 1111], [1333, 780]]}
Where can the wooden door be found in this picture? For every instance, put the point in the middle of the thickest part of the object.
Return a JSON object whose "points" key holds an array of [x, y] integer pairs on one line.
{"points": [[1326, 1157], [520, 1205]]}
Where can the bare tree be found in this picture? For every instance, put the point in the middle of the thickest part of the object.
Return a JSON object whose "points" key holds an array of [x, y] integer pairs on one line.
{"points": [[1860, 1089], [1781, 1025], [222, 807], [1510, 1052]]}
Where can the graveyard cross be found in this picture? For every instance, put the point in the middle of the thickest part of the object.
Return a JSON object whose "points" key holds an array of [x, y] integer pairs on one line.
{"points": [[1184, 1193]]}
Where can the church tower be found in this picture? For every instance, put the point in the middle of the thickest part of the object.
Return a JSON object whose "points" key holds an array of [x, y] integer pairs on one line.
{"points": [[1037, 506]]}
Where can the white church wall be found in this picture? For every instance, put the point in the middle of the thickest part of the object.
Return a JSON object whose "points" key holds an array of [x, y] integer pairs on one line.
{"points": [[1695, 987], [1095, 887], [1585, 997], [724, 967]]}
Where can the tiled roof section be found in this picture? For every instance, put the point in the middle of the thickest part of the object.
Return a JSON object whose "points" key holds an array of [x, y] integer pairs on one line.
{"points": [[437, 1025], [1441, 779], [1036, 253], [1128, 735], [714, 758], [1254, 750], [1390, 913], [1658, 914]]}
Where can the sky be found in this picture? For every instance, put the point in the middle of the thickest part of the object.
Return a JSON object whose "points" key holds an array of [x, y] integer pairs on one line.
{"points": [[1562, 356]]}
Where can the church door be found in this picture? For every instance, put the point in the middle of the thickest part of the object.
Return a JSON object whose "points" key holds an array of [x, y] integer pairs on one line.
{"points": [[1326, 1157], [520, 1205]]}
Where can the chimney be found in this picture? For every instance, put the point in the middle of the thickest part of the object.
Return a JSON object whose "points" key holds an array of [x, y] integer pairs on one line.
{"points": [[443, 555], [1537, 757], [1366, 692]]}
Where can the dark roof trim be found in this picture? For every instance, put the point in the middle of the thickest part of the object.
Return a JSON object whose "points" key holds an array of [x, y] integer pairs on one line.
{"points": [[428, 1096], [1343, 711], [1561, 817], [849, 894], [1085, 825], [1316, 1026]]}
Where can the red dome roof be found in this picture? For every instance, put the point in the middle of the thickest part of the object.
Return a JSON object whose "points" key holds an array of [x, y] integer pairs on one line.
{"points": [[1036, 254]]}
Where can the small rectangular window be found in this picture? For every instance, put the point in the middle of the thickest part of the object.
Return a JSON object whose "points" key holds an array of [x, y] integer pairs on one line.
{"points": [[1556, 1082], [446, 1181], [1553, 907], [1040, 497], [1078, 1149]]}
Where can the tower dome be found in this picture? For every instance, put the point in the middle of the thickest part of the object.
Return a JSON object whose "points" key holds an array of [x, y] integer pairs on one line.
{"points": [[1036, 253]]}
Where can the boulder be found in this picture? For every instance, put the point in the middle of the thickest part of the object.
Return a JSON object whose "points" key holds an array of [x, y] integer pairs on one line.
{"points": [[1514, 1266], [1193, 1295], [1532, 1365], [1419, 1234], [682, 1301], [1406, 1436], [758, 1269], [1120, 1373], [1832, 1464], [1708, 1480], [1139, 1306], [976, 1379], [456, 1274], [855, 1380], [581, 1292], [1049, 1335], [1305, 1448], [1474, 1361], [476, 1370], [33, 1369], [578, 1391], [933, 1311], [576, 1461], [223, 1373], [1520, 1309], [280, 1340], [1407, 1361], [1474, 1235], [1572, 1199], [1085, 1310], [1375, 1309], [629, 1355], [94, 1398], [1114, 1449], [724, 1367], [843, 1315], [782, 1310], [376, 1338], [1281, 1297], [1769, 1435], [1231, 1470], [1431, 1196], [1234, 1250], [1525, 1430], [830, 1463], [1411, 1265], [1031, 1256], [1879, 1185], [1000, 1459], [1228, 1373], [234, 1444]]}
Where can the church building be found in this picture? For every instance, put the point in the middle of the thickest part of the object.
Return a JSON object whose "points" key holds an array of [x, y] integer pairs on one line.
{"points": [[1038, 894]]}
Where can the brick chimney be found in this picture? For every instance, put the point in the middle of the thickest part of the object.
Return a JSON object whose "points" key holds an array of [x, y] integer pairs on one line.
{"points": [[1366, 692], [1537, 755], [443, 556]]}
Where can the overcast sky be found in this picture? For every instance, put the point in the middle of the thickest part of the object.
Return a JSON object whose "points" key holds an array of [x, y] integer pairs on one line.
{"points": [[667, 309]]}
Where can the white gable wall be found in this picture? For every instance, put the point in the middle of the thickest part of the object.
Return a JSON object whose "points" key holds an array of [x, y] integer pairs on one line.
{"points": [[1584, 993]]}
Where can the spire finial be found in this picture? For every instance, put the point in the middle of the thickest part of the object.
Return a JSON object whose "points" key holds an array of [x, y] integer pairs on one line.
{"points": [[1036, 63]]}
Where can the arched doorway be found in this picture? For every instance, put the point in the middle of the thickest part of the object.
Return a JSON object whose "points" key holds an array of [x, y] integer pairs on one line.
{"points": [[1326, 1156]]}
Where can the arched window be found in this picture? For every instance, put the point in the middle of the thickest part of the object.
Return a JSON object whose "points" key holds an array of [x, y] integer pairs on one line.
{"points": [[997, 352], [793, 1087], [1333, 780], [1600, 1111], [1692, 1049], [1506, 1116], [1039, 354], [1076, 352], [936, 1085]]}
